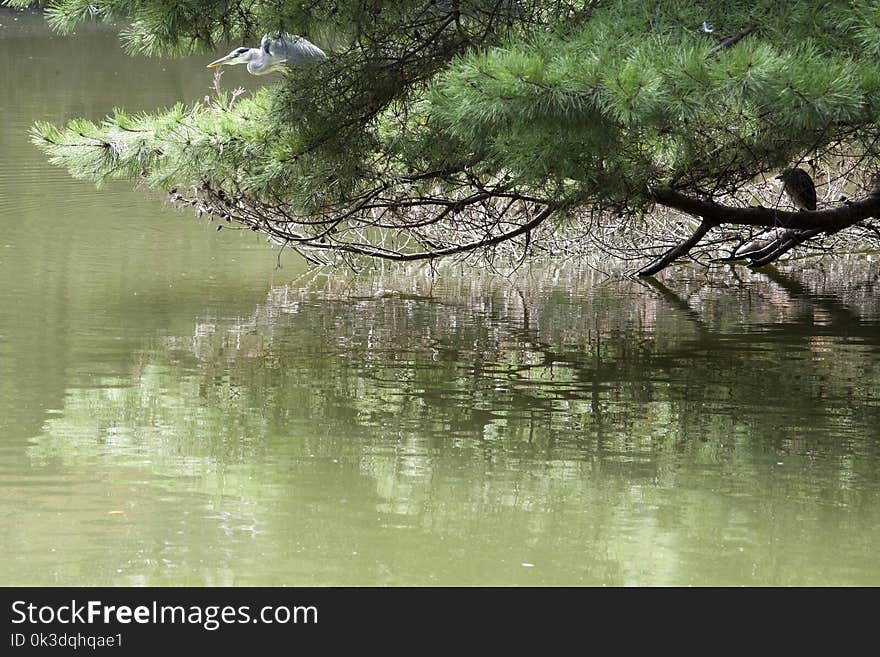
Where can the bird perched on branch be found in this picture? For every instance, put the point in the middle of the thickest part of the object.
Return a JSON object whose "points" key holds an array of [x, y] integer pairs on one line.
{"points": [[800, 188], [273, 54]]}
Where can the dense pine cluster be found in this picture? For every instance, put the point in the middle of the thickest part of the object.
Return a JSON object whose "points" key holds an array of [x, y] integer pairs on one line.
{"points": [[445, 126]]}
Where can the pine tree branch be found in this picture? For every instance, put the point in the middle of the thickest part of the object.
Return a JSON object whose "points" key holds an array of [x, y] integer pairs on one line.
{"points": [[786, 245], [829, 220], [678, 250], [373, 251], [730, 41], [714, 214]]}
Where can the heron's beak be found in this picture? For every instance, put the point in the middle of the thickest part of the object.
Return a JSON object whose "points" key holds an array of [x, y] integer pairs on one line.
{"points": [[222, 61]]}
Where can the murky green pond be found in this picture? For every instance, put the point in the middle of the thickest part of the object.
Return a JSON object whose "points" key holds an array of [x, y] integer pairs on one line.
{"points": [[176, 410]]}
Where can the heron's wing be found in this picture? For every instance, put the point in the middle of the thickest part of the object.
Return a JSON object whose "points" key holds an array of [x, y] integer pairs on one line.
{"points": [[295, 49], [806, 188], [810, 194]]}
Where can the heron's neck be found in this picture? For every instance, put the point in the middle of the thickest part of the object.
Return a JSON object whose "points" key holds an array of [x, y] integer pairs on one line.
{"points": [[257, 67], [264, 65]]}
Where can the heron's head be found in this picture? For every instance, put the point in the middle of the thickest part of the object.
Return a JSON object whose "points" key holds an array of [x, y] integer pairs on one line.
{"points": [[792, 175], [237, 56]]}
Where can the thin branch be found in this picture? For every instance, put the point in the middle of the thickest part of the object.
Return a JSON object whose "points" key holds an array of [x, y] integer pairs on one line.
{"points": [[785, 245], [536, 221], [678, 250]]}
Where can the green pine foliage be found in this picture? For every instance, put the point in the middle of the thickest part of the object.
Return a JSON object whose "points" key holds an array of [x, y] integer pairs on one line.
{"points": [[579, 106]]}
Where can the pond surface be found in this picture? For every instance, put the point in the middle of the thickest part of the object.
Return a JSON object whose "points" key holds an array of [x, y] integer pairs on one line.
{"points": [[175, 410]]}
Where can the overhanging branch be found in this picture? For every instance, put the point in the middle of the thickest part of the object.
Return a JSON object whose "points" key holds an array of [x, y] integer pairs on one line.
{"points": [[386, 254], [678, 250], [714, 214], [828, 220]]}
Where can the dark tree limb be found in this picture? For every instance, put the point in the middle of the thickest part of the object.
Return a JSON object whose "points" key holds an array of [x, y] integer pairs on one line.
{"points": [[730, 41], [679, 249], [784, 246], [802, 225], [829, 220], [770, 247]]}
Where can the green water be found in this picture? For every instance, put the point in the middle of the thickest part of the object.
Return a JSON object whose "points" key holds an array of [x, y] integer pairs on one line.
{"points": [[176, 410]]}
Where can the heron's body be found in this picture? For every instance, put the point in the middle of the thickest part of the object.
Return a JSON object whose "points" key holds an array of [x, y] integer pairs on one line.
{"points": [[800, 188], [273, 54]]}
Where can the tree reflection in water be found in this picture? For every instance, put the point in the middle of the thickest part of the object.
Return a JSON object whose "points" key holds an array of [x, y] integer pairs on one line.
{"points": [[680, 431]]}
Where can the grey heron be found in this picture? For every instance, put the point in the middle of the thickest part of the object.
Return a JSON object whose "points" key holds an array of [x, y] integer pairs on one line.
{"points": [[273, 54]]}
